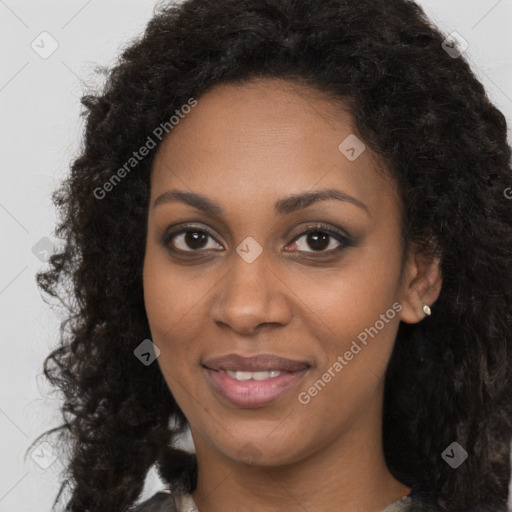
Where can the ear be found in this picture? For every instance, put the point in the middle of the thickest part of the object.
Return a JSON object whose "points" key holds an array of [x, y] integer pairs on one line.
{"points": [[421, 284]]}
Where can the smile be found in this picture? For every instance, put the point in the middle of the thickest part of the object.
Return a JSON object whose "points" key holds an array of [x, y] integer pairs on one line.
{"points": [[245, 389], [260, 375]]}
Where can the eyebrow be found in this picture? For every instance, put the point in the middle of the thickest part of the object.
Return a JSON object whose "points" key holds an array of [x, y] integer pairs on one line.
{"points": [[282, 206]]}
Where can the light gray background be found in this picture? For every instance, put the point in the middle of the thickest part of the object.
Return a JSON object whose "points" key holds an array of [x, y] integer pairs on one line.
{"points": [[39, 137]]}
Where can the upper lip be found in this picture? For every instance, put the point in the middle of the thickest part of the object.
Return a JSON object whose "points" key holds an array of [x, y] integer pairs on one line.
{"points": [[263, 362]]}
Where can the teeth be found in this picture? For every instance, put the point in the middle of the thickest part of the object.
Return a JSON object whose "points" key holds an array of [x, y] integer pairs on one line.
{"points": [[260, 375], [243, 375], [252, 375]]}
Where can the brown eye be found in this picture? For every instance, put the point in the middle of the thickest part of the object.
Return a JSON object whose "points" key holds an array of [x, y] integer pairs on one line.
{"points": [[318, 240], [322, 240], [195, 239], [190, 239]]}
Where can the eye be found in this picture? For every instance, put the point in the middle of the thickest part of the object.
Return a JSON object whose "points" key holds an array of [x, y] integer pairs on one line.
{"points": [[321, 239], [190, 239]]}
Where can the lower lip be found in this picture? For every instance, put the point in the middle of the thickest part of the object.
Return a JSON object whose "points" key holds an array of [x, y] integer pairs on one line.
{"points": [[253, 393]]}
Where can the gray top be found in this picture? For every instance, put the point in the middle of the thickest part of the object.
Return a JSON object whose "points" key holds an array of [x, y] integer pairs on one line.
{"points": [[164, 502], [399, 505]]}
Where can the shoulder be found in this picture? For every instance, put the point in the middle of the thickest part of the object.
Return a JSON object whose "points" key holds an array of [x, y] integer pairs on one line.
{"points": [[159, 502]]}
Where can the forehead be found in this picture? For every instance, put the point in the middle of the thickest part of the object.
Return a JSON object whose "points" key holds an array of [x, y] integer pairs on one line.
{"points": [[268, 137]]}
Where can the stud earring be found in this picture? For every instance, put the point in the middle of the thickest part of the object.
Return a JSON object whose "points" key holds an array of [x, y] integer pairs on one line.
{"points": [[426, 310]]}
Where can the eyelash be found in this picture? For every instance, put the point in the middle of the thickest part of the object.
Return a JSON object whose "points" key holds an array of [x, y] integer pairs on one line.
{"points": [[317, 228]]}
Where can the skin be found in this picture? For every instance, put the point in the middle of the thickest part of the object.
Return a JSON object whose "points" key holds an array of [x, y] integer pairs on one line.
{"points": [[245, 147]]}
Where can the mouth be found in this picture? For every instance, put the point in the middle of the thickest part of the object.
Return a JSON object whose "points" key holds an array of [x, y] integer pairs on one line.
{"points": [[252, 382], [242, 376]]}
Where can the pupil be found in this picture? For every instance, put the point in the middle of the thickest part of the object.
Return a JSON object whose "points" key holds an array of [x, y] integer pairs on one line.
{"points": [[195, 239], [315, 237]]}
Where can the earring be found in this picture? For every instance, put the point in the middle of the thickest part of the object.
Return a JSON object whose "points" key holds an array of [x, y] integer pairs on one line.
{"points": [[426, 310]]}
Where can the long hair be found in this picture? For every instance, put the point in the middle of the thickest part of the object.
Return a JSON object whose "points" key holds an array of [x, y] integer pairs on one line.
{"points": [[422, 111]]}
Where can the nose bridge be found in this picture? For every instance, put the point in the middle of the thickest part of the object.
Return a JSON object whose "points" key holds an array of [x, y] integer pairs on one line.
{"points": [[249, 269]]}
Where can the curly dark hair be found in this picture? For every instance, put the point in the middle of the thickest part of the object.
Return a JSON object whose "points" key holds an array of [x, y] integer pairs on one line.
{"points": [[423, 112]]}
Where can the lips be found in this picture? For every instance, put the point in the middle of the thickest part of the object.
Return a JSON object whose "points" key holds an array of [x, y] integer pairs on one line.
{"points": [[251, 382], [263, 362]]}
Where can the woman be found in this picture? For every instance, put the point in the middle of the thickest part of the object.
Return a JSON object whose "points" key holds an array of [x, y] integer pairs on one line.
{"points": [[288, 231]]}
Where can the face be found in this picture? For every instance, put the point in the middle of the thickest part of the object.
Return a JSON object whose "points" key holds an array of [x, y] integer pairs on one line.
{"points": [[235, 264]]}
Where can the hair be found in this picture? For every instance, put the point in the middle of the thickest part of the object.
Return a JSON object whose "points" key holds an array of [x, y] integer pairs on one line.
{"points": [[443, 142]]}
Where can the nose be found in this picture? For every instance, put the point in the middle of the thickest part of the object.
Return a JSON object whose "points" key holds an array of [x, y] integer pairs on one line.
{"points": [[251, 295]]}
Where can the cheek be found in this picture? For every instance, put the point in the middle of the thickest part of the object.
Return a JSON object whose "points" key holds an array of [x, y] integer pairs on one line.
{"points": [[340, 303], [173, 298], [353, 311], [355, 355], [169, 302]]}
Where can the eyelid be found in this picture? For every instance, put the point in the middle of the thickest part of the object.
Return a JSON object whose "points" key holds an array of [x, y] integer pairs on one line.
{"points": [[170, 233], [344, 240], [324, 228]]}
